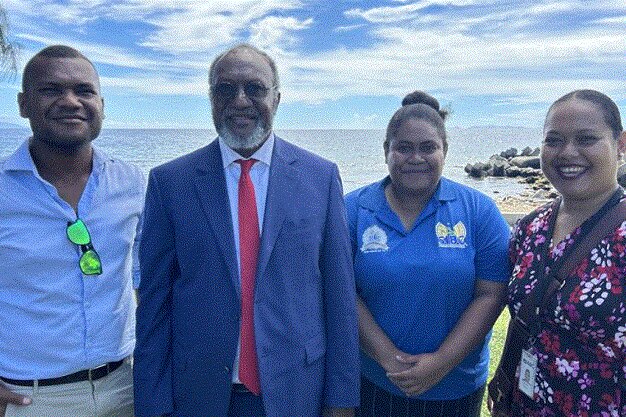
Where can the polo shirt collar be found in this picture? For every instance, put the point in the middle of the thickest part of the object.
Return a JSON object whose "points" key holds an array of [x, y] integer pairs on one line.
{"points": [[373, 198], [445, 191]]}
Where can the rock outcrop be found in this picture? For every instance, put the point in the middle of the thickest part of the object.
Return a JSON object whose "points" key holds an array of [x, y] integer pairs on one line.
{"points": [[525, 166], [508, 164]]}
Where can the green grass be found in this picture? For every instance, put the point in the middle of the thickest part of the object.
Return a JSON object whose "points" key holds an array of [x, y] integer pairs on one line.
{"points": [[495, 346]]}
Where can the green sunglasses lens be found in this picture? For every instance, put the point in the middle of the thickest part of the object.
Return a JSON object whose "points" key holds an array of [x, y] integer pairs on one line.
{"points": [[78, 234], [90, 263]]}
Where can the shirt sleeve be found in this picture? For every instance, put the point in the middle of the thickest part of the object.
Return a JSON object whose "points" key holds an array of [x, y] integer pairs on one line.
{"points": [[135, 254], [137, 241], [492, 242]]}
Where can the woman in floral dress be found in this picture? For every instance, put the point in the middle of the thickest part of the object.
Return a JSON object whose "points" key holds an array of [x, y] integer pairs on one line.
{"points": [[580, 349]]}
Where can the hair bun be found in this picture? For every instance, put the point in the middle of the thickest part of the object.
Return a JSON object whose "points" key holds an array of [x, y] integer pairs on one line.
{"points": [[421, 97]]}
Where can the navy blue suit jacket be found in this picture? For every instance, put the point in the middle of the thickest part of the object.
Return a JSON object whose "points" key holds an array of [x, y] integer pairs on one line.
{"points": [[189, 296]]}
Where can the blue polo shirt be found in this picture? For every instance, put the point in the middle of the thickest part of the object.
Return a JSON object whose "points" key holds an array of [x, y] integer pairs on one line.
{"points": [[417, 284]]}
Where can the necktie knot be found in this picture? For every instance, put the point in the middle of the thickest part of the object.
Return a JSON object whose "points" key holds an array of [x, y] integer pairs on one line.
{"points": [[246, 164]]}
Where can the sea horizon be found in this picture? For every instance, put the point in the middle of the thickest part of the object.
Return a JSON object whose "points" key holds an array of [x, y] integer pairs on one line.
{"points": [[357, 152]]}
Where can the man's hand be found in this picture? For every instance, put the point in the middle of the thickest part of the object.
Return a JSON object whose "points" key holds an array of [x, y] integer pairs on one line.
{"points": [[489, 404], [9, 397]]}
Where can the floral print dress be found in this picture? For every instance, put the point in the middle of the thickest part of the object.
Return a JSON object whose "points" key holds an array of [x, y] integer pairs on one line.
{"points": [[581, 347]]}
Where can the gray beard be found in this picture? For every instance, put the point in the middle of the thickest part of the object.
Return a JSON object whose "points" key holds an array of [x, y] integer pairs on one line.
{"points": [[255, 140]]}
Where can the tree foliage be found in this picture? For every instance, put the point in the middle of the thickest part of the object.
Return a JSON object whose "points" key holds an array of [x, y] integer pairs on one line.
{"points": [[8, 49]]}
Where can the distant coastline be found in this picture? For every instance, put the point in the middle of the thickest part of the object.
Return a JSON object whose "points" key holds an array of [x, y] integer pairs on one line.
{"points": [[357, 152], [12, 126]]}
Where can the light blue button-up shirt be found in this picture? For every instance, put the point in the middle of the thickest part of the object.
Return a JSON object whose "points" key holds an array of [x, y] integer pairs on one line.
{"points": [[53, 319]]}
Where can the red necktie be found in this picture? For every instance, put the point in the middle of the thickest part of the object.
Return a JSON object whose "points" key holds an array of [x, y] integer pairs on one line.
{"points": [[248, 252]]}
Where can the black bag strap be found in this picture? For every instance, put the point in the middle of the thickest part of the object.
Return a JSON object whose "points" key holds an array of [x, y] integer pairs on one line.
{"points": [[597, 227], [614, 217], [593, 230]]}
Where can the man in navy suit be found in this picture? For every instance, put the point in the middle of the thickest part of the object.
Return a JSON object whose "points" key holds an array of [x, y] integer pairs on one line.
{"points": [[247, 300]]}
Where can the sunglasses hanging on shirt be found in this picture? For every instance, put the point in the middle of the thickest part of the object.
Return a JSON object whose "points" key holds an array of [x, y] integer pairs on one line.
{"points": [[89, 261]]}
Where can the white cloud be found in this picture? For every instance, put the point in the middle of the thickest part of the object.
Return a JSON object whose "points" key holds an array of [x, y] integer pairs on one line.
{"points": [[156, 85], [349, 28], [98, 53], [616, 20], [387, 14], [391, 14], [535, 67], [487, 51], [272, 31], [74, 12], [180, 27], [206, 26], [365, 119]]}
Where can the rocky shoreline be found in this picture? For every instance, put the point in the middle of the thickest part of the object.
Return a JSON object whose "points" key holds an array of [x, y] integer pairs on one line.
{"points": [[524, 167]]}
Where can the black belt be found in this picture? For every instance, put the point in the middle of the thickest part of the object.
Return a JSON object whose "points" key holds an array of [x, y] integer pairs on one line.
{"points": [[84, 375]]}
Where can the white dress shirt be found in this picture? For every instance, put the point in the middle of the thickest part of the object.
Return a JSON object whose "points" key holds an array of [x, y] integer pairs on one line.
{"points": [[259, 174]]}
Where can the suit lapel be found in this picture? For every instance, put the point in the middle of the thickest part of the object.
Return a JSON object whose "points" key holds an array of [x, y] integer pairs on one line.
{"points": [[282, 181], [210, 185]]}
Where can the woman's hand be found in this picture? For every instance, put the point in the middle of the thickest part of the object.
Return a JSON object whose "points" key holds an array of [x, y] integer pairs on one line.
{"points": [[392, 363], [424, 372], [376, 344]]}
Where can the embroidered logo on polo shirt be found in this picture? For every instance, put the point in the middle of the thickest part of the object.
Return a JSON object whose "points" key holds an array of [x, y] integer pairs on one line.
{"points": [[374, 240], [451, 237]]}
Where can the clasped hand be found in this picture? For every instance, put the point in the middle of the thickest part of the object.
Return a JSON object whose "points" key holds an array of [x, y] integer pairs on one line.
{"points": [[421, 372]]}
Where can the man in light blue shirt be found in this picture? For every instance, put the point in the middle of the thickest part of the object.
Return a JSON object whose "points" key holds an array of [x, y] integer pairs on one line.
{"points": [[71, 219]]}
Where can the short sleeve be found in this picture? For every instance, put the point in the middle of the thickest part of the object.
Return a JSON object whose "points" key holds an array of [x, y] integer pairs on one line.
{"points": [[492, 243]]}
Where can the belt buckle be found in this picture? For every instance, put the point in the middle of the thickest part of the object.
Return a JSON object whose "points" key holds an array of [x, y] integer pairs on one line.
{"points": [[92, 370]]}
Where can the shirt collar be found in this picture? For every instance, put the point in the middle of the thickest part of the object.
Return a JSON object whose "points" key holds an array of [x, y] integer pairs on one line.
{"points": [[21, 159], [374, 197], [263, 154], [445, 190]]}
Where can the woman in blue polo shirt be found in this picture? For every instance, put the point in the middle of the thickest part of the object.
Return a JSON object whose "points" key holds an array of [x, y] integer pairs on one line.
{"points": [[430, 259]]}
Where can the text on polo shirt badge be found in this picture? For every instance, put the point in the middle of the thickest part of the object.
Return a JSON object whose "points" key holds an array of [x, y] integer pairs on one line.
{"points": [[451, 237], [374, 240]]}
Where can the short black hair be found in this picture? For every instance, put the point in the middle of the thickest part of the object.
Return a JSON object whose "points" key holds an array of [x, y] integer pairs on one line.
{"points": [[609, 109], [418, 105], [53, 51]]}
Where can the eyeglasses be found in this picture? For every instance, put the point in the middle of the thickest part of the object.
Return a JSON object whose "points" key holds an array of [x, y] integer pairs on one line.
{"points": [[228, 91], [89, 261]]}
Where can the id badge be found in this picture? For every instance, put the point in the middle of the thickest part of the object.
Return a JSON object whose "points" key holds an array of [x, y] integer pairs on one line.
{"points": [[527, 372]]}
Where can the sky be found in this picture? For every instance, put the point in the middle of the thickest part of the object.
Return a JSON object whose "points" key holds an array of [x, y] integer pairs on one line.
{"points": [[343, 64]]}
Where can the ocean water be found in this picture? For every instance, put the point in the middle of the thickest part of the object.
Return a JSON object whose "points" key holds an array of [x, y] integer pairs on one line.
{"points": [[358, 153]]}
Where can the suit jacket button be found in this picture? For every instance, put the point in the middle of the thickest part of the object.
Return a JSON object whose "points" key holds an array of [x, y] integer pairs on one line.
{"points": [[226, 370]]}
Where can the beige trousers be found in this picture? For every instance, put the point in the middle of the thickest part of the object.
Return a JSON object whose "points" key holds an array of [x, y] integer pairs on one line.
{"points": [[111, 396]]}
